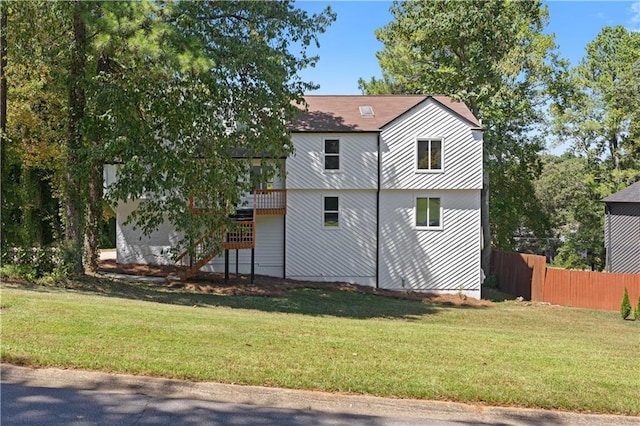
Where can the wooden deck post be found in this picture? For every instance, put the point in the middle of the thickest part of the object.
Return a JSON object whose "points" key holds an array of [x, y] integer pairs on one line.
{"points": [[237, 272], [226, 265], [253, 250]]}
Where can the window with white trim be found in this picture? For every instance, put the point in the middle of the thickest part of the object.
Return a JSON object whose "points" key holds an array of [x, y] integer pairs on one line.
{"points": [[258, 181], [429, 154], [332, 154], [428, 212], [331, 212]]}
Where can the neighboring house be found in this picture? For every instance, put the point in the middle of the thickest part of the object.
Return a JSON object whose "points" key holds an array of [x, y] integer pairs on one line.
{"points": [[381, 191], [622, 230]]}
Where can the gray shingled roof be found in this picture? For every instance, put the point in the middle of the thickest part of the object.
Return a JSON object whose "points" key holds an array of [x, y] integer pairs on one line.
{"points": [[631, 194], [341, 113]]}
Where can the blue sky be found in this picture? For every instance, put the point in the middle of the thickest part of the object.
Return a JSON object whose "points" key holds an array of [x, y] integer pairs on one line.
{"points": [[348, 48]]}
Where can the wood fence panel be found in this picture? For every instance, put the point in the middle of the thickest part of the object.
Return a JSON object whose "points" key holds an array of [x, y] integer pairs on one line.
{"points": [[539, 265], [560, 292], [591, 290], [520, 274]]}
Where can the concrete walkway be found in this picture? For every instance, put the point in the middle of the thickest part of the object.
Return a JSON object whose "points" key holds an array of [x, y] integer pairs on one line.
{"points": [[110, 254], [401, 411]]}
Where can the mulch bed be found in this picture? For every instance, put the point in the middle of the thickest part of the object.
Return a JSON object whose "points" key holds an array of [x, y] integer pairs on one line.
{"points": [[213, 282]]}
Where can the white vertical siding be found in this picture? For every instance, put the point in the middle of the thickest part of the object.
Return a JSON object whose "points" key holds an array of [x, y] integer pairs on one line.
{"points": [[317, 253], [446, 260], [358, 162], [133, 247], [269, 250], [462, 151]]}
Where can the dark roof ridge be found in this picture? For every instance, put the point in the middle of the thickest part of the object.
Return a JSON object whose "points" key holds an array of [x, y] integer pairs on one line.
{"points": [[630, 194]]}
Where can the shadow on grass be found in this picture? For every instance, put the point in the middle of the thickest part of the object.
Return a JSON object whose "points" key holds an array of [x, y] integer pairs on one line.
{"points": [[301, 300]]}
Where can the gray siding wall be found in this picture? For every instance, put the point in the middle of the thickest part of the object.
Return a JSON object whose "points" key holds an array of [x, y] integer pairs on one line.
{"points": [[622, 237]]}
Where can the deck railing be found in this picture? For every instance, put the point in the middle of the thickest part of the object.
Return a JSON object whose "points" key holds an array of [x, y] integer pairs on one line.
{"points": [[270, 201], [241, 237]]}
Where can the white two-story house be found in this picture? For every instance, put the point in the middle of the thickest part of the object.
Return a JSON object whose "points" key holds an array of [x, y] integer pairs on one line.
{"points": [[381, 191]]}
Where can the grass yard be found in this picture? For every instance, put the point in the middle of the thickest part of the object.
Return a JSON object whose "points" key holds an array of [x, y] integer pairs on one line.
{"points": [[336, 341]]}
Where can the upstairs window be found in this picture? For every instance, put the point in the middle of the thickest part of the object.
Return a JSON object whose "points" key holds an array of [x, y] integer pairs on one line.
{"points": [[430, 154], [428, 213], [331, 214], [332, 154], [258, 180]]}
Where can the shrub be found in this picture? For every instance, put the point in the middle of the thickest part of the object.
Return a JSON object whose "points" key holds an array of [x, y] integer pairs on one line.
{"points": [[54, 263], [24, 272], [637, 312], [625, 307]]}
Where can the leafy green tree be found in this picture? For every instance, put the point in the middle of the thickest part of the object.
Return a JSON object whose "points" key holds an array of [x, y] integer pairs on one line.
{"points": [[173, 91], [493, 56], [575, 215], [220, 83], [598, 115], [31, 146]]}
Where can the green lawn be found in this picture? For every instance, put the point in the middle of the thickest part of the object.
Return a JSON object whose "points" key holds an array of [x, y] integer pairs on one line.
{"points": [[508, 354]]}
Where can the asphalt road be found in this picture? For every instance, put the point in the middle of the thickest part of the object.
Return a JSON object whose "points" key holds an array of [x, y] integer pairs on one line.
{"points": [[35, 406], [70, 397]]}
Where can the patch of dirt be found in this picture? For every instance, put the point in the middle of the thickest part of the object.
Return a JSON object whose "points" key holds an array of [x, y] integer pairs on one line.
{"points": [[213, 282]]}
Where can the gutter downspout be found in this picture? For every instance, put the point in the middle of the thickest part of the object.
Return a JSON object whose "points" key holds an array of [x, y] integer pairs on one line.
{"points": [[378, 219]]}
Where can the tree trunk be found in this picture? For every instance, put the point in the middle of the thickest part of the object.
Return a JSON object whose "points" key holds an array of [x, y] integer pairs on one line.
{"points": [[94, 191], [3, 79], [73, 193], [3, 111], [613, 150], [93, 216]]}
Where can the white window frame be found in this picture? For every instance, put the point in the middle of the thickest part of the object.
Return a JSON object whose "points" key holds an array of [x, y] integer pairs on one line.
{"points": [[326, 154], [257, 168], [439, 227], [415, 154], [324, 211]]}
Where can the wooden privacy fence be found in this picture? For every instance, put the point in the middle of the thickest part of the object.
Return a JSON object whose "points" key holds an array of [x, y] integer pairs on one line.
{"points": [[593, 290], [519, 274], [527, 275]]}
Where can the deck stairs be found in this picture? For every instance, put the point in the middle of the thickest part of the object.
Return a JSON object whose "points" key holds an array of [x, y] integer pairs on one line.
{"points": [[239, 235]]}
